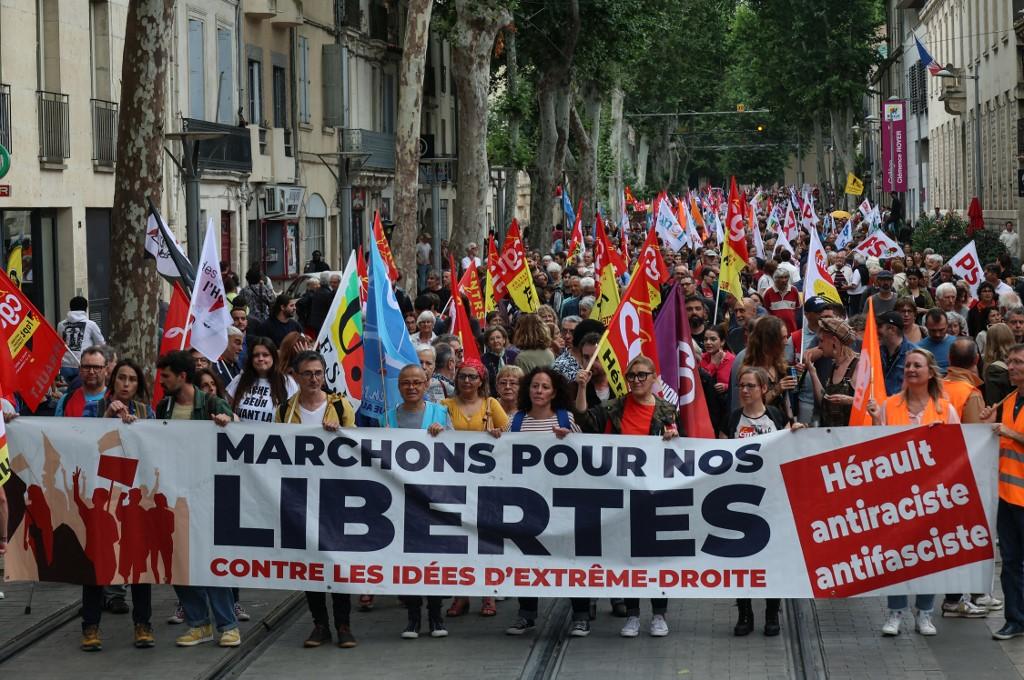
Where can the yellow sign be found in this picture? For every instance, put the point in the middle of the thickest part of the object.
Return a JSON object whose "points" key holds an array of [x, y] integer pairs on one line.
{"points": [[854, 186], [20, 337]]}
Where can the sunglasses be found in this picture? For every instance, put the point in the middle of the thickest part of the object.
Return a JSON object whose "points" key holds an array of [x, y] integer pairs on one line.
{"points": [[638, 376]]}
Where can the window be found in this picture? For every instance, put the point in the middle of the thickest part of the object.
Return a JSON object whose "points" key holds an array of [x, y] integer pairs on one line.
{"points": [[313, 237], [99, 20], [388, 104], [225, 81], [302, 63], [280, 98], [444, 137], [196, 71], [255, 92], [375, 108], [48, 42]]}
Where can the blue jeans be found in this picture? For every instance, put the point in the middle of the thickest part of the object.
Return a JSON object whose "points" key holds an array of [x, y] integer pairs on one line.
{"points": [[421, 278], [924, 603], [1010, 530], [197, 601]]}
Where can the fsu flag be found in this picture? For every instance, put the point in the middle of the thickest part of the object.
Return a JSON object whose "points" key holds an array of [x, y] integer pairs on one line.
{"points": [[680, 374], [512, 270], [817, 280], [30, 349], [340, 340], [174, 337], [384, 248]]}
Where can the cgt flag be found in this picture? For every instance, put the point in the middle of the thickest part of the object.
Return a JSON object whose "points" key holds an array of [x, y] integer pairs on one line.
{"points": [[512, 270], [631, 329], [175, 336], [340, 340], [494, 288], [576, 245], [30, 349], [734, 251], [680, 373], [5, 458]]}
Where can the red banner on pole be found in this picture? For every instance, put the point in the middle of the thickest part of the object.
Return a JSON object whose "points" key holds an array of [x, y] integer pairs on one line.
{"points": [[30, 349]]}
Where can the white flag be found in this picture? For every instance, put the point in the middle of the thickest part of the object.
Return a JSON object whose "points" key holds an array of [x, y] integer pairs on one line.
{"points": [[156, 245], [817, 280], [966, 265], [758, 243], [783, 242], [668, 227], [808, 218], [342, 331], [878, 244], [865, 209], [210, 315], [845, 237]]}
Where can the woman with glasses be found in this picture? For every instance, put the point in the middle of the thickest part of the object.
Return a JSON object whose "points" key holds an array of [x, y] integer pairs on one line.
{"points": [[472, 409], [913, 332], [312, 406], [640, 412], [507, 383], [754, 417]]}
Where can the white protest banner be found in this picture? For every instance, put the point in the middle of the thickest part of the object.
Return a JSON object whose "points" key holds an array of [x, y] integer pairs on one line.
{"points": [[878, 244], [817, 513], [967, 266], [668, 227]]}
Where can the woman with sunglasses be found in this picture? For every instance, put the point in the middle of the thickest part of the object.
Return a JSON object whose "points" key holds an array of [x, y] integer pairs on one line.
{"points": [[755, 417], [640, 412], [472, 409]]}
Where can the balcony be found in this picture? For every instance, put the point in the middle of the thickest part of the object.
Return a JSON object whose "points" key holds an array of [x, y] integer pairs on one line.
{"points": [[289, 14], [272, 155], [231, 152], [259, 9], [5, 116], [54, 128], [379, 146], [104, 134]]}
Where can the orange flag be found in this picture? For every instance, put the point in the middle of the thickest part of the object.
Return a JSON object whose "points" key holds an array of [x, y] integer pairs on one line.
{"points": [[385, 249], [870, 380], [364, 277], [470, 285]]}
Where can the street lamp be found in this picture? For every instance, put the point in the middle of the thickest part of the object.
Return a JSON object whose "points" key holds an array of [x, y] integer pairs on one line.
{"points": [[191, 174], [948, 72], [498, 181]]}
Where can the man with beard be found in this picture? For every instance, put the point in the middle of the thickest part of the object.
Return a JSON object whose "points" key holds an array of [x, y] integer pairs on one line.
{"points": [[697, 315]]}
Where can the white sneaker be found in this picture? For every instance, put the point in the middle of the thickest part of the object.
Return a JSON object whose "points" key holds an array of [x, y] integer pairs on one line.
{"points": [[964, 609], [924, 623], [659, 627], [990, 603], [892, 624], [632, 627]]}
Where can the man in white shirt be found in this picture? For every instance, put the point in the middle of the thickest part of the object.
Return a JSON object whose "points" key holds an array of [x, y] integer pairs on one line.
{"points": [[786, 265], [470, 257], [1010, 239], [422, 262]]}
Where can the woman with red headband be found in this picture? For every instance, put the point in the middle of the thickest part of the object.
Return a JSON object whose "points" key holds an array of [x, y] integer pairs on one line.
{"points": [[472, 409]]}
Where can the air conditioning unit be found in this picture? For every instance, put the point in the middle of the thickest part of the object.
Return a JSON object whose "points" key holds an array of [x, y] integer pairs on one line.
{"points": [[272, 200], [283, 202]]}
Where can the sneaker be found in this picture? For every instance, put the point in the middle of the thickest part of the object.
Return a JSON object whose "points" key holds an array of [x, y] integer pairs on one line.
{"points": [[230, 638], [116, 605], [437, 628], [520, 627], [346, 640], [179, 614], [924, 624], [964, 608], [580, 628], [365, 603], [619, 609], [412, 629], [892, 624], [632, 627], [1009, 630], [91, 640], [320, 635], [240, 612], [195, 636], [993, 604], [144, 636], [659, 626]]}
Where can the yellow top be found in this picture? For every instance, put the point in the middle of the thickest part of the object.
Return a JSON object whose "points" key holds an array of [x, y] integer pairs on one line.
{"points": [[490, 411]]}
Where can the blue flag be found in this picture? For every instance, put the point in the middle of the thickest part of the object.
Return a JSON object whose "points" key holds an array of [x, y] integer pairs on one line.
{"points": [[570, 214], [387, 347]]}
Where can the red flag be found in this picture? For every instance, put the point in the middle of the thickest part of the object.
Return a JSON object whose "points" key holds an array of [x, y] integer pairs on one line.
{"points": [[30, 349], [364, 277], [576, 238], [493, 276], [734, 217], [513, 270], [460, 320], [118, 469], [384, 248], [470, 285], [174, 337], [629, 197], [603, 251]]}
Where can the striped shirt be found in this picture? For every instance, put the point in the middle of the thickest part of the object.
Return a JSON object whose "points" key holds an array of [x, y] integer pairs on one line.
{"points": [[531, 424]]}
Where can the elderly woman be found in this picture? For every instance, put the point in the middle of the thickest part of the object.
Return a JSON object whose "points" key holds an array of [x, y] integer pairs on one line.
{"points": [[920, 402], [834, 398], [424, 334], [956, 325], [508, 382]]}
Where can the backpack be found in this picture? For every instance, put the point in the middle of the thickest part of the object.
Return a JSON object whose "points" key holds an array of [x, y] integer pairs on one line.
{"points": [[518, 417]]}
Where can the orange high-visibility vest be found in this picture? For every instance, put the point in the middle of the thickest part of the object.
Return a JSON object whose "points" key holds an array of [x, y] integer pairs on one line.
{"points": [[896, 412], [959, 392], [1011, 457]]}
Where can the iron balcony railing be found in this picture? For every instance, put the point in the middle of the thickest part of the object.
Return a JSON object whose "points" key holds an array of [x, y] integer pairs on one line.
{"points": [[54, 127], [104, 133], [5, 117]]}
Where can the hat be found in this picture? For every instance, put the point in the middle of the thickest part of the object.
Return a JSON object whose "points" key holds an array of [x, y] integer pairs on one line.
{"points": [[815, 304], [840, 329], [884, 274], [891, 318], [710, 253]]}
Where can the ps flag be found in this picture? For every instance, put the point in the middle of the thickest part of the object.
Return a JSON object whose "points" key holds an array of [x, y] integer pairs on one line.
{"points": [[210, 316]]}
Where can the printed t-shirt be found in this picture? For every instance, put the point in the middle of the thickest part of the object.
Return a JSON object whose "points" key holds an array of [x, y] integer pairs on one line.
{"points": [[257, 405]]}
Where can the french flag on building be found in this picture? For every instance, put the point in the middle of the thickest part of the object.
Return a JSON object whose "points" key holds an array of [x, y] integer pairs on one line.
{"points": [[926, 59]]}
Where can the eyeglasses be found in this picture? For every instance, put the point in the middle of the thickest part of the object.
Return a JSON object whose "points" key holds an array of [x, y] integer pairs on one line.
{"points": [[91, 367], [410, 383], [468, 377], [639, 376], [306, 375]]}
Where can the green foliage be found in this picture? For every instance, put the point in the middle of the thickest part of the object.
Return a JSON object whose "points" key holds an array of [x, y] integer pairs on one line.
{"points": [[946, 236]]}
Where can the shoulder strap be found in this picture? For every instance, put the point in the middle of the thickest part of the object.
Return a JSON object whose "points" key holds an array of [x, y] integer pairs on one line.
{"points": [[563, 418], [517, 421]]}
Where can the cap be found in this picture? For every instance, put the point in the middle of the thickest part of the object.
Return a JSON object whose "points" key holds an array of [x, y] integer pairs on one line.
{"points": [[884, 274], [891, 318], [815, 304], [840, 329]]}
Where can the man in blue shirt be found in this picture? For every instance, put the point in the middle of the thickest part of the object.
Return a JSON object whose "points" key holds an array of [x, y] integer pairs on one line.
{"points": [[894, 350], [937, 342]]}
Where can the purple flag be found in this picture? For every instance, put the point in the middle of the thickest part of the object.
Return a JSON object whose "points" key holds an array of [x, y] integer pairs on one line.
{"points": [[678, 362]]}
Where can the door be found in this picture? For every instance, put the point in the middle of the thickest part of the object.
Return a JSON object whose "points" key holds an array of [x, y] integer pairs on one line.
{"points": [[97, 249], [28, 239]]}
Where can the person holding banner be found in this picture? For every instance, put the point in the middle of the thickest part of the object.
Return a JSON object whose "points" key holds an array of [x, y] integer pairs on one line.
{"points": [[921, 401], [507, 381], [640, 412], [544, 406], [185, 402], [259, 389], [473, 409], [312, 406], [754, 417]]}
